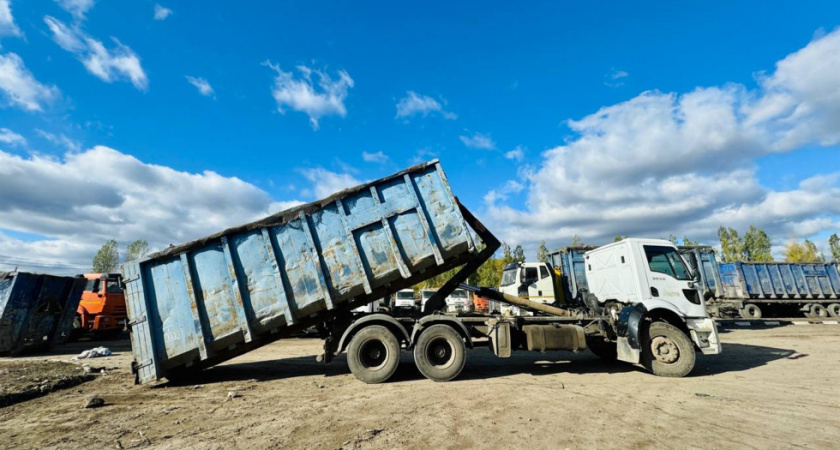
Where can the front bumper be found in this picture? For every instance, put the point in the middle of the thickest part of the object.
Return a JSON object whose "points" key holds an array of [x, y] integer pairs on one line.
{"points": [[704, 333]]}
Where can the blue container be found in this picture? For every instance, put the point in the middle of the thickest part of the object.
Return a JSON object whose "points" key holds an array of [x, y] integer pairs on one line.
{"points": [[36, 311], [207, 301], [810, 281], [703, 261], [572, 265]]}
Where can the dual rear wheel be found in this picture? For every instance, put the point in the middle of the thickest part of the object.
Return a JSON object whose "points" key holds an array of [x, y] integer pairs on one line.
{"points": [[374, 353]]}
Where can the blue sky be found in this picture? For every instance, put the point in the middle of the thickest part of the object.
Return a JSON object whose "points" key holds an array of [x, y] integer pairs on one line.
{"points": [[490, 88]]}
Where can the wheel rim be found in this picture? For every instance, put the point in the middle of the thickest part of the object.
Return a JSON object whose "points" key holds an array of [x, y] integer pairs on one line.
{"points": [[373, 354], [665, 350], [440, 353]]}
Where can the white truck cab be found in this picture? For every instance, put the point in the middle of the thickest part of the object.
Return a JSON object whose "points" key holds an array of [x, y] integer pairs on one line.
{"points": [[404, 299], [458, 301], [652, 275], [425, 295]]}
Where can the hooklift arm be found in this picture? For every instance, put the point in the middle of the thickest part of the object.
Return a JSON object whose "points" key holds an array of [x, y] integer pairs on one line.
{"points": [[437, 301], [518, 301]]}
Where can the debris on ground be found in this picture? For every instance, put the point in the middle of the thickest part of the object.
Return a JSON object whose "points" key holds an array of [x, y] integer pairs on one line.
{"points": [[94, 402], [97, 352], [24, 380], [233, 394]]}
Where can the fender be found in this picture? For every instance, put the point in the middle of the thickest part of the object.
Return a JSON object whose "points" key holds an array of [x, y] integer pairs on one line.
{"points": [[366, 320], [628, 324], [439, 318]]}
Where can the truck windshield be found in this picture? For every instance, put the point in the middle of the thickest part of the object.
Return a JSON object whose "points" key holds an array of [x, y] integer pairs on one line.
{"points": [[405, 295], [509, 276], [459, 294], [666, 260]]}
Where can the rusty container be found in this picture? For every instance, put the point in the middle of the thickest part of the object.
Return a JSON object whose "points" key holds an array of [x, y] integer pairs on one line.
{"points": [[204, 302]]}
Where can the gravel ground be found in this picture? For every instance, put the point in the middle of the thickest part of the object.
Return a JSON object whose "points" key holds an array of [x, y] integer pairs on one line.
{"points": [[771, 388]]}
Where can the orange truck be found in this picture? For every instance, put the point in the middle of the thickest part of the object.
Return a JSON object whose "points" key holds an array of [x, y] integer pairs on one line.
{"points": [[102, 308]]}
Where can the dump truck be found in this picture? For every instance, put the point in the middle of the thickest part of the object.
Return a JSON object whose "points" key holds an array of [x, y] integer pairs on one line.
{"points": [[195, 305], [102, 308], [36, 310]]}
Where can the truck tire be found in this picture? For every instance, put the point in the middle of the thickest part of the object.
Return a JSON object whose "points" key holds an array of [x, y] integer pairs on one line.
{"points": [[605, 350], [818, 311], [373, 354], [750, 311], [667, 351], [440, 353], [834, 310]]}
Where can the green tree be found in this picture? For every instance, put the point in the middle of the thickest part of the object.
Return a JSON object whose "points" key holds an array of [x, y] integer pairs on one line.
{"points": [[542, 253], [136, 250], [688, 242], [834, 245], [673, 238], [807, 251], [107, 258], [519, 254], [507, 257], [619, 237], [576, 241], [731, 245], [757, 246]]}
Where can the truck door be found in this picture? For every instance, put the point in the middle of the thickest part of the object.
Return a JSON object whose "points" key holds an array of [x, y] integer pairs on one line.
{"points": [[543, 289], [670, 280]]}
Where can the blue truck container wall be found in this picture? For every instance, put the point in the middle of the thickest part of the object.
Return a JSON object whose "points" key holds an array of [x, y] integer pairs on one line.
{"points": [[753, 280], [36, 310], [201, 303], [704, 262]]}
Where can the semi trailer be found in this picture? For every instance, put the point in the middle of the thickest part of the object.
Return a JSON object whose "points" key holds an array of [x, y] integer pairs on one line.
{"points": [[198, 304]]}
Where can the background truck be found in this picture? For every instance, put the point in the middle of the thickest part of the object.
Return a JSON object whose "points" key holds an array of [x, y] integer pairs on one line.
{"points": [[195, 305], [102, 307], [404, 299], [458, 301]]}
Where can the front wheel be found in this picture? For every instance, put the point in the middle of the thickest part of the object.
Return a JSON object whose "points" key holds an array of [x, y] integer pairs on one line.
{"points": [[667, 351], [440, 353], [373, 354]]}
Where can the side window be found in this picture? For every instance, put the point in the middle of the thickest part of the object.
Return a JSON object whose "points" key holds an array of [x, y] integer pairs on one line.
{"points": [[679, 268], [543, 272], [658, 261], [529, 274], [114, 287]]}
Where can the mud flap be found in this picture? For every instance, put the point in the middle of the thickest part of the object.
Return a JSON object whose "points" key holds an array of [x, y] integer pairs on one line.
{"points": [[629, 334]]}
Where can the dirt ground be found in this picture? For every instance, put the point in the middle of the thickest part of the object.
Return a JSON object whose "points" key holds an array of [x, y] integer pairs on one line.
{"points": [[771, 388]]}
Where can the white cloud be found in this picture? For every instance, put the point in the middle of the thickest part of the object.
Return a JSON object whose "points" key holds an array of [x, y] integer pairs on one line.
{"points": [[664, 163], [161, 13], [77, 8], [413, 104], [615, 78], [8, 136], [21, 88], [76, 213], [478, 140], [202, 85], [119, 62], [378, 157], [317, 99], [517, 154], [60, 140], [326, 183], [7, 22]]}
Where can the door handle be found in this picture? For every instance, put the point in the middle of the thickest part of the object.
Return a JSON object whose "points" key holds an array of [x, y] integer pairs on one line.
{"points": [[654, 292]]}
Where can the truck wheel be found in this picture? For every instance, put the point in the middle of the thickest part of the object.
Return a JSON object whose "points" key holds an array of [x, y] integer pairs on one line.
{"points": [[373, 354], [440, 353], [750, 311], [603, 349], [667, 351], [834, 310], [818, 311]]}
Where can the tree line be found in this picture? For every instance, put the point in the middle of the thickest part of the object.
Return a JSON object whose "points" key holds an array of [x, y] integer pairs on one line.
{"points": [[107, 259]]}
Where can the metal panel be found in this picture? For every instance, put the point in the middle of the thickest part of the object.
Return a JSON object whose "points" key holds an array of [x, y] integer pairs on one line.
{"points": [[205, 298], [811, 281], [36, 311]]}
